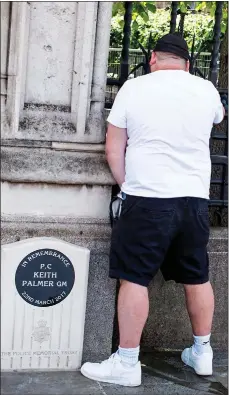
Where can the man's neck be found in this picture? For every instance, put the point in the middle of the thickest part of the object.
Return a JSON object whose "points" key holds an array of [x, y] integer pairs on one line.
{"points": [[170, 67]]}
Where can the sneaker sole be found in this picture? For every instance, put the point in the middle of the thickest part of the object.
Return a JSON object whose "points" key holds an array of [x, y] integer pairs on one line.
{"points": [[124, 384], [208, 372]]}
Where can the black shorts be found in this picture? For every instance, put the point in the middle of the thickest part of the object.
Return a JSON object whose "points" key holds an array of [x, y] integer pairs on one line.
{"points": [[166, 234]]}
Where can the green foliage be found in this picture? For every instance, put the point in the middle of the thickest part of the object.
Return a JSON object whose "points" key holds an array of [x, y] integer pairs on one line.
{"points": [[206, 8], [202, 26], [140, 10], [159, 24], [118, 8], [147, 19], [116, 34]]}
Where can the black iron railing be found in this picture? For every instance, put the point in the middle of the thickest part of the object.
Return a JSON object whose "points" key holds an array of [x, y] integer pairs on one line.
{"points": [[218, 203]]}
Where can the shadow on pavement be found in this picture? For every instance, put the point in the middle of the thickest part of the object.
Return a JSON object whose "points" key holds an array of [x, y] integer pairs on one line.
{"points": [[168, 366]]}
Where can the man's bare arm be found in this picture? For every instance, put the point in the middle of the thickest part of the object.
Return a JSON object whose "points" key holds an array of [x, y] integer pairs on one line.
{"points": [[116, 142]]}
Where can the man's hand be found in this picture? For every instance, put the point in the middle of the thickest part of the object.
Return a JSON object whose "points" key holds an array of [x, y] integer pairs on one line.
{"points": [[116, 141]]}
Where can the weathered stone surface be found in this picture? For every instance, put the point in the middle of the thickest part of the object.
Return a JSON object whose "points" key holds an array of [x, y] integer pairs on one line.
{"points": [[95, 235], [53, 383], [90, 201], [219, 280], [45, 124], [5, 22], [50, 60], [86, 232], [51, 166], [99, 310], [219, 240], [57, 145]]}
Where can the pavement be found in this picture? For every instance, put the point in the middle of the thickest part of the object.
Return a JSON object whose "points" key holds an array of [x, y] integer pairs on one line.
{"points": [[163, 374]]}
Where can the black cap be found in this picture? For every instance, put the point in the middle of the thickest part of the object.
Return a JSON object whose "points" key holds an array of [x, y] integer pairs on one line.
{"points": [[173, 43]]}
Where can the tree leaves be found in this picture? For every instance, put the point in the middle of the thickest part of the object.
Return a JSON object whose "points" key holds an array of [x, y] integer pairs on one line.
{"points": [[141, 11], [201, 5], [118, 8], [144, 11], [135, 25], [212, 9], [145, 17], [151, 7], [121, 23], [183, 7]]}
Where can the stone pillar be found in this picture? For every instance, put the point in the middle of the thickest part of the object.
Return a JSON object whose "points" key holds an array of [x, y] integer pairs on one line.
{"points": [[55, 179]]}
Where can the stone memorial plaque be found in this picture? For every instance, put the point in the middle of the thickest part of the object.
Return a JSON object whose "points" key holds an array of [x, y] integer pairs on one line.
{"points": [[43, 299], [44, 277]]}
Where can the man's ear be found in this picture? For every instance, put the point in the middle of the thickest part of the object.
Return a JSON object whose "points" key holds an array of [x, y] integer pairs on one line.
{"points": [[152, 59], [187, 66]]}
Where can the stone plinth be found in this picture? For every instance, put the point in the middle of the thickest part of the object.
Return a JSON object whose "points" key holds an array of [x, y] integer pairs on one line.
{"points": [[43, 295]]}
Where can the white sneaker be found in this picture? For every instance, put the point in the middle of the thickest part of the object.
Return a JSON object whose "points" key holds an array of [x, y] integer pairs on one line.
{"points": [[202, 364], [113, 371]]}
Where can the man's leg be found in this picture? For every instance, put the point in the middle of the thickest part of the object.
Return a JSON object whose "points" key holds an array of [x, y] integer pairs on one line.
{"points": [[133, 309], [123, 367], [193, 270], [200, 306], [138, 246]]}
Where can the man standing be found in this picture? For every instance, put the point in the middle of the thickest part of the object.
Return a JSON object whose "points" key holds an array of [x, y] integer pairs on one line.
{"points": [[157, 148]]}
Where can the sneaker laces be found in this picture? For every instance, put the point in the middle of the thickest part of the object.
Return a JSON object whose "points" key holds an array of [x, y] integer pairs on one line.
{"points": [[110, 359]]}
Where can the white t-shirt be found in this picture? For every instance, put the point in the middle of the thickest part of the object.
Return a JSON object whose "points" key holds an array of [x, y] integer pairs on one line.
{"points": [[168, 115]]}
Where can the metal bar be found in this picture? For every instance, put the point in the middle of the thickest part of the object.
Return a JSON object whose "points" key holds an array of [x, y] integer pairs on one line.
{"points": [[223, 90], [108, 105], [219, 136], [131, 50], [126, 42], [220, 181], [219, 159], [224, 174], [216, 42], [173, 20], [113, 81], [181, 27], [112, 49], [218, 202]]}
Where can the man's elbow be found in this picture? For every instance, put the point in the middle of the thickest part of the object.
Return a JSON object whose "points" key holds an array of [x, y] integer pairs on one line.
{"points": [[110, 149], [113, 155]]}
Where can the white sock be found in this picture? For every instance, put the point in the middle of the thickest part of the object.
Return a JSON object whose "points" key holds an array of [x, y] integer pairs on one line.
{"points": [[202, 344], [129, 356]]}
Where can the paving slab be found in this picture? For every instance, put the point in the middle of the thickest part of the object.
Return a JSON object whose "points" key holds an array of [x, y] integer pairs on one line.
{"points": [[163, 374], [48, 383]]}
